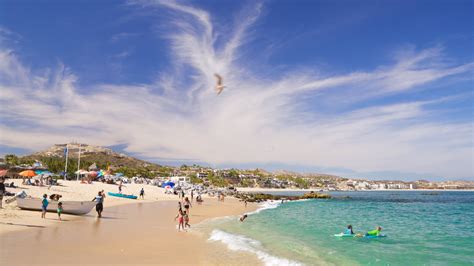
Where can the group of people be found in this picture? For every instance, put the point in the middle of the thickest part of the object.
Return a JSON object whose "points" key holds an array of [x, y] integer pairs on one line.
{"points": [[375, 232], [183, 215], [45, 203]]}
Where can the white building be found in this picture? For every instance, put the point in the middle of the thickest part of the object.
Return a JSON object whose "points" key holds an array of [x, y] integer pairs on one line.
{"points": [[178, 179]]}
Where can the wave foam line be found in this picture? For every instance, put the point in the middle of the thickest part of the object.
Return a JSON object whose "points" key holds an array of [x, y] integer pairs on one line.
{"points": [[265, 206], [242, 243]]}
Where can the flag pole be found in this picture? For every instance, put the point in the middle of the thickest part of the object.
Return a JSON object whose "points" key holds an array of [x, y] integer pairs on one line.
{"points": [[79, 162], [65, 168]]}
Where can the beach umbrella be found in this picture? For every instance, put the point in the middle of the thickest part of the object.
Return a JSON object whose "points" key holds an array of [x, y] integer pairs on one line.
{"points": [[3, 172], [169, 183], [81, 172], [43, 172], [27, 173]]}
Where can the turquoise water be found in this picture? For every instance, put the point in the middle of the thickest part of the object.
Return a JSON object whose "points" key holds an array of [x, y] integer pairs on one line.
{"points": [[422, 229]]}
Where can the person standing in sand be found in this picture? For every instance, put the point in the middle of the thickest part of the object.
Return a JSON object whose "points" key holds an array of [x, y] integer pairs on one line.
{"points": [[2, 191], [142, 193], [120, 187], [192, 195], [44, 206], [60, 209], [99, 207]]}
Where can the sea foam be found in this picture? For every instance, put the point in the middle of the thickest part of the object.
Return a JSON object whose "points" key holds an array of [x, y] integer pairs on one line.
{"points": [[242, 243], [265, 206]]}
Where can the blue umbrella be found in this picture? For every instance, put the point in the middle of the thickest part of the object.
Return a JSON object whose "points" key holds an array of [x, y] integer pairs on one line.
{"points": [[43, 172], [118, 174], [169, 183]]}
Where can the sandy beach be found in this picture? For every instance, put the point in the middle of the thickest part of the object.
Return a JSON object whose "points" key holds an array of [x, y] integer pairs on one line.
{"points": [[130, 232]]}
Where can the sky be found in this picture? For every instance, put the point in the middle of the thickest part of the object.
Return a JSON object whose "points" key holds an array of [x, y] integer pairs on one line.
{"points": [[367, 89]]}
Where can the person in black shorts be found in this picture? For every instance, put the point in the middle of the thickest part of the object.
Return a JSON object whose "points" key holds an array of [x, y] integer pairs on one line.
{"points": [[99, 207]]}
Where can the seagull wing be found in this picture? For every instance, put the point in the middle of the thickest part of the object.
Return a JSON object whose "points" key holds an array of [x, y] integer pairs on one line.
{"points": [[219, 79]]}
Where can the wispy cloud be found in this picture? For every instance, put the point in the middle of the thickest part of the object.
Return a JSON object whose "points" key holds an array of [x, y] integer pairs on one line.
{"points": [[255, 120], [122, 36]]}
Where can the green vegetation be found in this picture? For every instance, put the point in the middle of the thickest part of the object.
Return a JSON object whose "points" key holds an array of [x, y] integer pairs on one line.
{"points": [[217, 181]]}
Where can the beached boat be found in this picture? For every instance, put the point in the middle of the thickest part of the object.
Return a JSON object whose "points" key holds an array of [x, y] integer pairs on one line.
{"points": [[120, 195], [69, 207]]}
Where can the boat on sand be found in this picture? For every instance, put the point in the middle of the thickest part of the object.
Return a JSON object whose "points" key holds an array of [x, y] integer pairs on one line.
{"points": [[120, 195], [69, 207]]}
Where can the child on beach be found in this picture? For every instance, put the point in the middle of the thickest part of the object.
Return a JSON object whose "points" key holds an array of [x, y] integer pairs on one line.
{"points": [[180, 219], [44, 206], [142, 193], [186, 219], [60, 209]]}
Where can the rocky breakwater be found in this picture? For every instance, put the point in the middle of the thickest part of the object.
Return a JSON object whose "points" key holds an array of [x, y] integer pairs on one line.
{"points": [[260, 197]]}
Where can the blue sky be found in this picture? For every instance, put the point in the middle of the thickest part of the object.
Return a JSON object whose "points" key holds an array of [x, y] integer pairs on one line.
{"points": [[377, 89]]}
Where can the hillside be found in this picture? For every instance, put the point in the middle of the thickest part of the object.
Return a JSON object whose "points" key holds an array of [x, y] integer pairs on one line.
{"points": [[103, 158]]}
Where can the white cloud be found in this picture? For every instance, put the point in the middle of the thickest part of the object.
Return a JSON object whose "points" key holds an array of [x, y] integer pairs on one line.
{"points": [[253, 120]]}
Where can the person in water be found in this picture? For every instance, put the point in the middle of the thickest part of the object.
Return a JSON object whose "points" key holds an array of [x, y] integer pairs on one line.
{"points": [[375, 232], [349, 230], [186, 219], [180, 219], [60, 210], [187, 204], [243, 217], [44, 206]]}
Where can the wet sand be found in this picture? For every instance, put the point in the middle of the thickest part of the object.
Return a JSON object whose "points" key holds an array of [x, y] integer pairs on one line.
{"points": [[142, 233]]}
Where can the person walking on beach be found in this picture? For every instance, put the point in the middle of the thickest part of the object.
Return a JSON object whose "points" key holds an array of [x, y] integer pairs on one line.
{"points": [[182, 194], [245, 203], [142, 193], [99, 206], [180, 219], [60, 209], [44, 206], [186, 219], [192, 195], [120, 187], [187, 204], [2, 191]]}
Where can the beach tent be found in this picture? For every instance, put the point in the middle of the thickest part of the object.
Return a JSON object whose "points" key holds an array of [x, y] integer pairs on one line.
{"points": [[166, 184]]}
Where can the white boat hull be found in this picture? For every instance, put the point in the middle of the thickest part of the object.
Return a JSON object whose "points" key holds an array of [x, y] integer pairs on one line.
{"points": [[69, 207]]}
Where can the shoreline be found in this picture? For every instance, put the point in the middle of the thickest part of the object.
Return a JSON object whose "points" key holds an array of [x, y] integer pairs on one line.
{"points": [[131, 232]]}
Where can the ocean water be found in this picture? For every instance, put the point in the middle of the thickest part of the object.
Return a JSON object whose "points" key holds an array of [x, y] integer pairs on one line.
{"points": [[422, 228]]}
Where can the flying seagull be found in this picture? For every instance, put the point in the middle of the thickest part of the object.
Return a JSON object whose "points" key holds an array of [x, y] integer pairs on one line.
{"points": [[219, 86]]}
